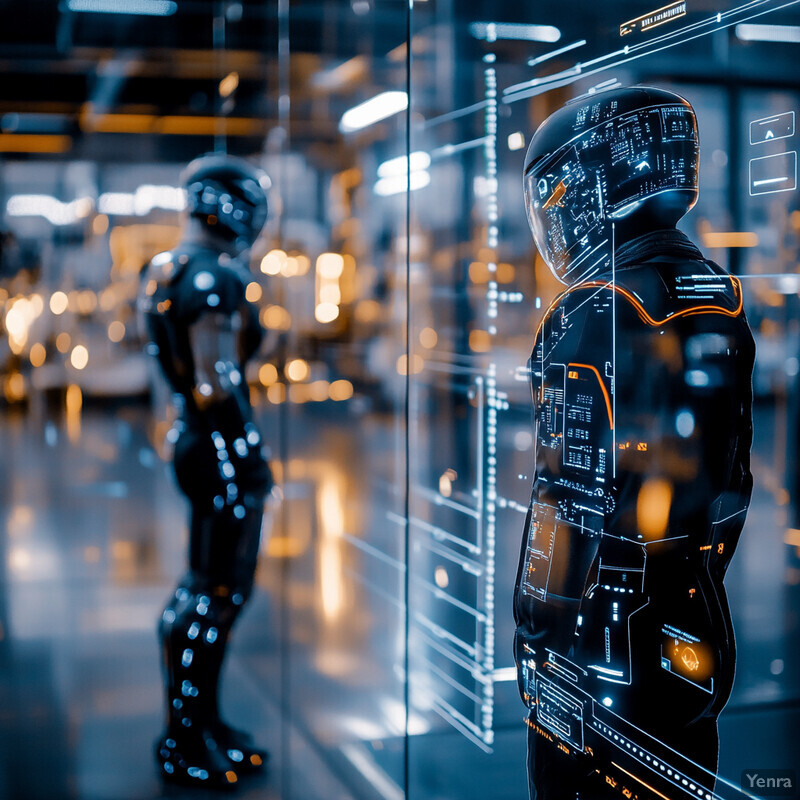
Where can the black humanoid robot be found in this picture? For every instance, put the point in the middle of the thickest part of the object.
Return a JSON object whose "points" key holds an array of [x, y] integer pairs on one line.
{"points": [[640, 378], [203, 330]]}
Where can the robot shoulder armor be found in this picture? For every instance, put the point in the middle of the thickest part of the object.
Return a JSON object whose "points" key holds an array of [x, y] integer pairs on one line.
{"points": [[156, 281], [207, 285], [661, 292]]}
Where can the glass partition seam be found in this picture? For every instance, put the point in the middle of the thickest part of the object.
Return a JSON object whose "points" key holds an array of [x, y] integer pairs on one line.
{"points": [[285, 564], [407, 412]]}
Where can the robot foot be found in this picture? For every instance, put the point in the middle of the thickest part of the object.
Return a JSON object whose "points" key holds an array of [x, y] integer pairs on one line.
{"points": [[187, 763], [239, 747]]}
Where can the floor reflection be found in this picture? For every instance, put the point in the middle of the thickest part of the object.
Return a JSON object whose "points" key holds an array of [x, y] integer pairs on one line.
{"points": [[94, 539]]}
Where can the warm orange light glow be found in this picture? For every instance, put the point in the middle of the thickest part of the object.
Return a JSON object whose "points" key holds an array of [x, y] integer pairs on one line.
{"points": [[330, 293], [478, 272], [330, 513], [87, 301], [267, 374], [14, 387], [480, 341], [34, 143], [318, 391], [253, 292], [631, 775], [272, 262], [368, 311], [730, 239], [446, 482], [299, 393], [99, 224], [277, 318], [172, 124], [297, 370], [341, 390], [417, 364], [428, 338], [303, 264], [38, 354], [330, 265], [792, 537], [557, 197], [285, 547], [63, 342], [116, 331], [276, 394], [79, 357], [228, 85], [73, 403], [117, 123], [652, 508], [326, 312], [441, 577], [505, 273]]}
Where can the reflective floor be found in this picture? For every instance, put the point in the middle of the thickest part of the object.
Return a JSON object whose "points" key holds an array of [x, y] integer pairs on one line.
{"points": [[94, 541]]}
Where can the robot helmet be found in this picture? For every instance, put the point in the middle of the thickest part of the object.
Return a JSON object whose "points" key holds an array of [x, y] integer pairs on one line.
{"points": [[228, 195], [601, 158]]}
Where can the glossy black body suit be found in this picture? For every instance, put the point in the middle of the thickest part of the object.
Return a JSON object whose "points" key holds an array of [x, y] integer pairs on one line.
{"points": [[640, 378], [202, 331]]}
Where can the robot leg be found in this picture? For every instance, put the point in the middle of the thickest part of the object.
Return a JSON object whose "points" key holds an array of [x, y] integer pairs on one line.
{"points": [[194, 631]]}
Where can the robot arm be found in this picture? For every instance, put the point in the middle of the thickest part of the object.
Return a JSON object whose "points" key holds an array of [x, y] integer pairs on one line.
{"points": [[217, 375]]}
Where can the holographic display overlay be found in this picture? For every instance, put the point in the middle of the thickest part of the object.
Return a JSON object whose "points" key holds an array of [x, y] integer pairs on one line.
{"points": [[452, 625], [654, 18], [775, 173], [780, 126]]}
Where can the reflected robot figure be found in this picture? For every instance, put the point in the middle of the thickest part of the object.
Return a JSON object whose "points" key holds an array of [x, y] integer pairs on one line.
{"points": [[641, 384], [203, 330]]}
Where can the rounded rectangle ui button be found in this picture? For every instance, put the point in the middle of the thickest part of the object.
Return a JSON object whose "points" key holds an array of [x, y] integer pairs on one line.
{"points": [[776, 173]]}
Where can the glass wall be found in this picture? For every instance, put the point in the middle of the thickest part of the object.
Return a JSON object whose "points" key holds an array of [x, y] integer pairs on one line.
{"points": [[401, 293]]}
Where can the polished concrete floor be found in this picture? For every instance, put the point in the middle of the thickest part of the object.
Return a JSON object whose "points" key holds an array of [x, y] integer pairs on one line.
{"points": [[94, 539]]}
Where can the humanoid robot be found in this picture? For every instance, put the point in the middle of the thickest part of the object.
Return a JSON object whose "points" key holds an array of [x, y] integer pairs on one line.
{"points": [[641, 383], [202, 331]]}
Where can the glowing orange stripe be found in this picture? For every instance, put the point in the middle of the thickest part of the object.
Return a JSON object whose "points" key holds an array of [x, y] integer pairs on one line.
{"points": [[34, 143], [603, 387], [643, 315], [652, 789], [640, 309], [557, 197]]}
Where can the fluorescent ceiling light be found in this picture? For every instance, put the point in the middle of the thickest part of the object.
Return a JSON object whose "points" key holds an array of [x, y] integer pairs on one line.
{"points": [[150, 8], [49, 207], [399, 166], [748, 32], [371, 111], [399, 183], [492, 31], [141, 202]]}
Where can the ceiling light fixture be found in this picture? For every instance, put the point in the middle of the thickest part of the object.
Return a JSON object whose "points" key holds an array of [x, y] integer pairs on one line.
{"points": [[374, 110], [149, 8], [492, 31], [747, 32]]}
